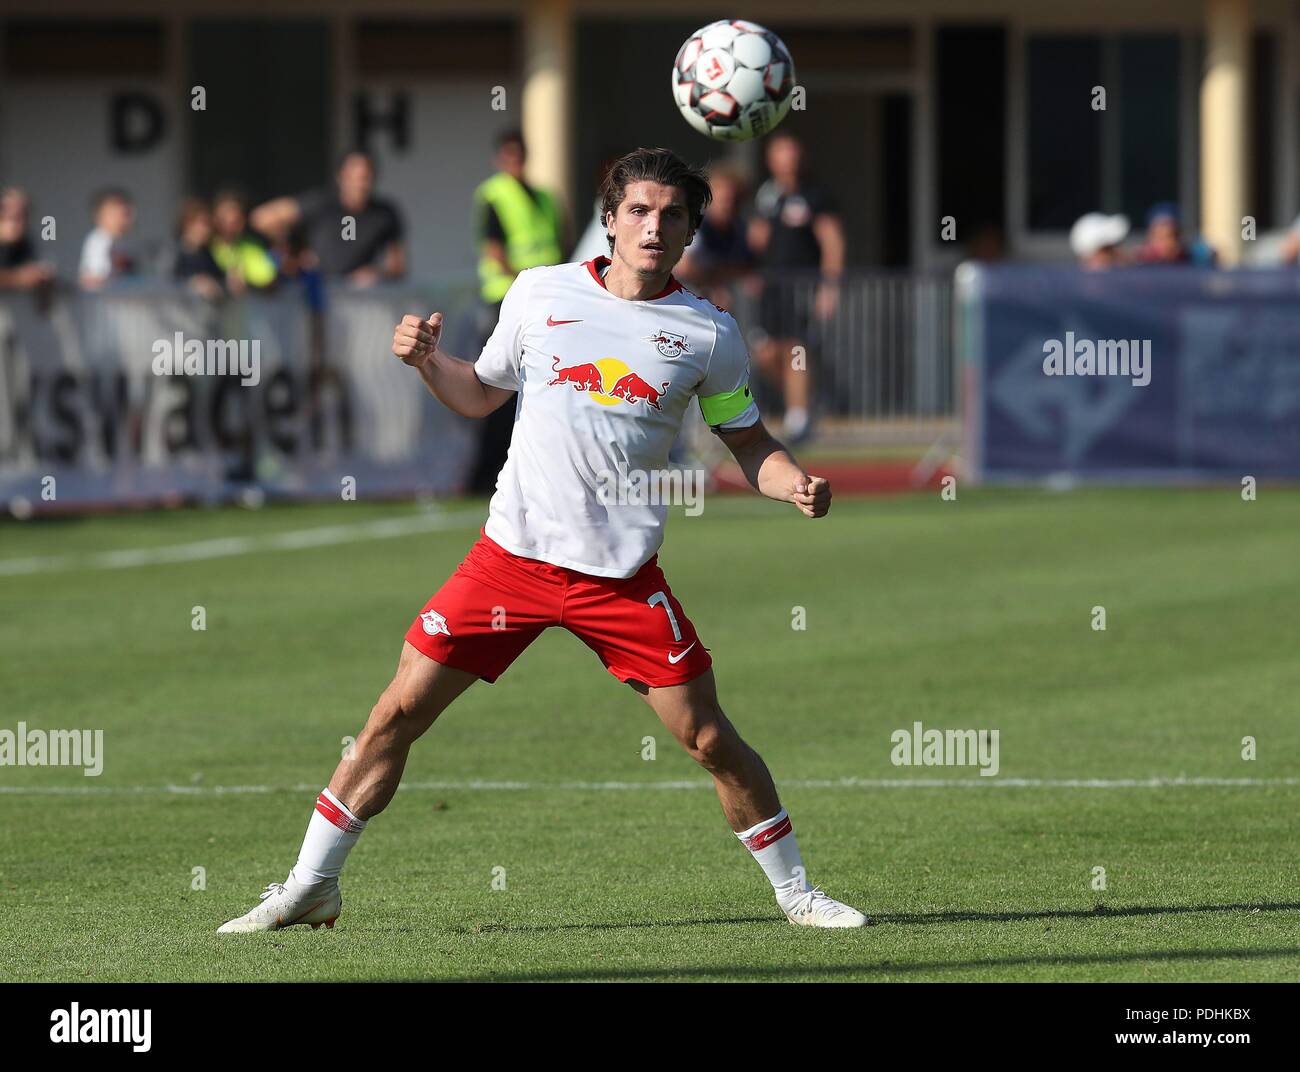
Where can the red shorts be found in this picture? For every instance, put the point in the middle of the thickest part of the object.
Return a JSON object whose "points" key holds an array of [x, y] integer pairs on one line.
{"points": [[496, 604]]}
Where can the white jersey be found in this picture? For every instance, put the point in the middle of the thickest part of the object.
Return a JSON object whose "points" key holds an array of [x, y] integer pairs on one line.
{"points": [[603, 385]]}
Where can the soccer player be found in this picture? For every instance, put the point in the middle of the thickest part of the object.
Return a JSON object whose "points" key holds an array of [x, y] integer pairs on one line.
{"points": [[558, 548]]}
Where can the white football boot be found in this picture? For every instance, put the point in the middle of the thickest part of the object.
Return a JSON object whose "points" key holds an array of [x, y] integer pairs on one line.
{"points": [[280, 908], [813, 908]]}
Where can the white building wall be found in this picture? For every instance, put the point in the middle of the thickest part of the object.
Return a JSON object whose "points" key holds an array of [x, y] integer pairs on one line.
{"points": [[57, 146]]}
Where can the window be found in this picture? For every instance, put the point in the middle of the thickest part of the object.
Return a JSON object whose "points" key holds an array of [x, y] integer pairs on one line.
{"points": [[1121, 159]]}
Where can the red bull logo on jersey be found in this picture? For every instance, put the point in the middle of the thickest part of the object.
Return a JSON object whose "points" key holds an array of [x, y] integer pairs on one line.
{"points": [[608, 381], [584, 377], [670, 344]]}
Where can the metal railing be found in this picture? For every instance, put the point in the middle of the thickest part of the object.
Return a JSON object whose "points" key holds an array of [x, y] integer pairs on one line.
{"points": [[883, 351]]}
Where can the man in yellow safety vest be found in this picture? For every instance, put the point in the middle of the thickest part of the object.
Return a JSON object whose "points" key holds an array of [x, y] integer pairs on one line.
{"points": [[518, 226]]}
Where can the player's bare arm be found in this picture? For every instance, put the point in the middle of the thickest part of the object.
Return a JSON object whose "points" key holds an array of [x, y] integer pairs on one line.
{"points": [[772, 471], [453, 381]]}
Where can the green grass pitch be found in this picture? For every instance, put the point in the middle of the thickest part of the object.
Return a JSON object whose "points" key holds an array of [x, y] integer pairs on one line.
{"points": [[968, 614]]}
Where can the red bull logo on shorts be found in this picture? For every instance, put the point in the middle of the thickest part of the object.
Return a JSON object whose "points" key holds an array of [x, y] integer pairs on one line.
{"points": [[608, 381]]}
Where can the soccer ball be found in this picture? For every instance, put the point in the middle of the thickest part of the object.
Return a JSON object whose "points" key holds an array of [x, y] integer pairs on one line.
{"points": [[733, 80]]}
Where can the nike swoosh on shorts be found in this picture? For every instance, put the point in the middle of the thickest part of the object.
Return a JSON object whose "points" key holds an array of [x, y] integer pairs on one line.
{"points": [[675, 659]]}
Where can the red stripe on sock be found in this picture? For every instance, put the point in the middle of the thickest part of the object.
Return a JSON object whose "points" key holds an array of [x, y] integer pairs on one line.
{"points": [[764, 838], [339, 818]]}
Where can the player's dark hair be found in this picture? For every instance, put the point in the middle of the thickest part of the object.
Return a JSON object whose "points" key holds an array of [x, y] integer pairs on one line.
{"points": [[655, 165]]}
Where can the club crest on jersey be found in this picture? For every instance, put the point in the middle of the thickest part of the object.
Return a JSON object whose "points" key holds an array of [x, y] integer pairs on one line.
{"points": [[670, 344], [434, 623]]}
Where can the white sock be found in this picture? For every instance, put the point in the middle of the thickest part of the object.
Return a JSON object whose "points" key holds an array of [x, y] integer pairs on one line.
{"points": [[332, 832], [796, 420], [774, 847]]}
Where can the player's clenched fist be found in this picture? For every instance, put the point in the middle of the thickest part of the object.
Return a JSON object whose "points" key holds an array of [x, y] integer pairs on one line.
{"points": [[813, 496], [415, 339]]}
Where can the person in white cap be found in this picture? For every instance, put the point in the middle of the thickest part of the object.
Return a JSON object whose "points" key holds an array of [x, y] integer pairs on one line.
{"points": [[1095, 240]]}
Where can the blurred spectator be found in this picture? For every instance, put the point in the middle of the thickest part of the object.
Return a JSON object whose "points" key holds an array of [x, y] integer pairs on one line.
{"points": [[719, 256], [1164, 243], [372, 249], [1288, 252], [106, 253], [796, 229], [19, 268], [194, 264], [1095, 239], [987, 243], [518, 226], [241, 257]]}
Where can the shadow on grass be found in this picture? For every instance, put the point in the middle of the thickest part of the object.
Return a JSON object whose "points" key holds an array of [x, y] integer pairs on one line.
{"points": [[1100, 911], [881, 968]]}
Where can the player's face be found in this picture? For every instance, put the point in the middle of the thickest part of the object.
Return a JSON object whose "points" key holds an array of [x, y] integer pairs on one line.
{"points": [[651, 228]]}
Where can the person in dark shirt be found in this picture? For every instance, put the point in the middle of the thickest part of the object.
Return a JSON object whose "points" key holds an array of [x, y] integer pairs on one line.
{"points": [[194, 264], [19, 268], [365, 250], [799, 238]]}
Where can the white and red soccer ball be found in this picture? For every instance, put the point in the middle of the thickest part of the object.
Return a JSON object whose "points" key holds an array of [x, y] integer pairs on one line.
{"points": [[733, 80]]}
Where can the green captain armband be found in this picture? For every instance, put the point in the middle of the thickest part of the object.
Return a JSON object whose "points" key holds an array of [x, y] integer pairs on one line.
{"points": [[719, 409]]}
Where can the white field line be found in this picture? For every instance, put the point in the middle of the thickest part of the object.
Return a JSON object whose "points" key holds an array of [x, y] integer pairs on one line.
{"points": [[291, 540], [226, 547], [600, 787]]}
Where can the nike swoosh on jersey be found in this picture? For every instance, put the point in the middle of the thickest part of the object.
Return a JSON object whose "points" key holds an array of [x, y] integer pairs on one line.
{"points": [[551, 322], [675, 659]]}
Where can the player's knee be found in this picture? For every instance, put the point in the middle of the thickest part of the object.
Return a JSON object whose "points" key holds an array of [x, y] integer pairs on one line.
{"points": [[402, 710], [712, 743]]}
